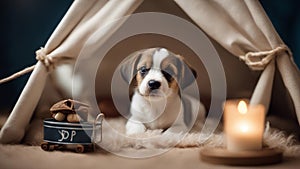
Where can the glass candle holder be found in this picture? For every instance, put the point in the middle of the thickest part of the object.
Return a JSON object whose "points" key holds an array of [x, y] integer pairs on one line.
{"points": [[244, 125]]}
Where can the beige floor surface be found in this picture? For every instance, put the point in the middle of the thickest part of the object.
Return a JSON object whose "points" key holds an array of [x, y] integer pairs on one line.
{"points": [[31, 157]]}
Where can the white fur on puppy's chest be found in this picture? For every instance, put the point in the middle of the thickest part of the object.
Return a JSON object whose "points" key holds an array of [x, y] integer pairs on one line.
{"points": [[161, 113]]}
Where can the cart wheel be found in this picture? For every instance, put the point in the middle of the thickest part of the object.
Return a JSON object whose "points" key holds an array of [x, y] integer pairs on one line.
{"points": [[92, 147], [79, 148], [89, 148], [45, 146], [51, 147]]}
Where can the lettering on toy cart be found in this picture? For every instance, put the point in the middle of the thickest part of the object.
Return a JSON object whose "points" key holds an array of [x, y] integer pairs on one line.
{"points": [[65, 135]]}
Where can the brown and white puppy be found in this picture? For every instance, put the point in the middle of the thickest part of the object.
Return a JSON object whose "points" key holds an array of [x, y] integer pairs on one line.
{"points": [[157, 102]]}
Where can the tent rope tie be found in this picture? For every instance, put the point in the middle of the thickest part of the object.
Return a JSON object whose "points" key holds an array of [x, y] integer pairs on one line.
{"points": [[40, 56], [259, 60]]}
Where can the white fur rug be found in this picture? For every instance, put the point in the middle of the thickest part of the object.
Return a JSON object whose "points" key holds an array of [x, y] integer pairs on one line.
{"points": [[115, 141]]}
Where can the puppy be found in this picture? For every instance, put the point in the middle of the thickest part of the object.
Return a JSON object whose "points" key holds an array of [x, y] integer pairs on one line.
{"points": [[157, 102]]}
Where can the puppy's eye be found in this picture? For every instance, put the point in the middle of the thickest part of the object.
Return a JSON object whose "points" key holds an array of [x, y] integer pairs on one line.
{"points": [[168, 76], [169, 73], [143, 70]]}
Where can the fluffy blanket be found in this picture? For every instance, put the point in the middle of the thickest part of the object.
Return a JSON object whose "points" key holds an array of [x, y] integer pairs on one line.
{"points": [[114, 140], [169, 151]]}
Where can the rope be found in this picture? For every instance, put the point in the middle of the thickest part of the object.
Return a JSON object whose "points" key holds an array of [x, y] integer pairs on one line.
{"points": [[259, 60], [18, 74], [255, 60], [40, 56]]}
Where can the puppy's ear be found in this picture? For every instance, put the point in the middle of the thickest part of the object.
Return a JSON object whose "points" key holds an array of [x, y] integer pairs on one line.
{"points": [[187, 75], [128, 68]]}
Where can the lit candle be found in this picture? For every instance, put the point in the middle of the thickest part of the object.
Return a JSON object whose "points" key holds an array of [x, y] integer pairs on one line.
{"points": [[244, 125]]}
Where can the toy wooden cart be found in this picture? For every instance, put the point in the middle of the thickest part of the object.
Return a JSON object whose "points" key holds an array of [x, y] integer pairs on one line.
{"points": [[80, 137]]}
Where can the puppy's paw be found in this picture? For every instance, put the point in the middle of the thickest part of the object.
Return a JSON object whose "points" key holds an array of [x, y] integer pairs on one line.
{"points": [[133, 127]]}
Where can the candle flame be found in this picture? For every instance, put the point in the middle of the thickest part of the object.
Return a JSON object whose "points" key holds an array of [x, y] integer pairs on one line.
{"points": [[242, 107]]}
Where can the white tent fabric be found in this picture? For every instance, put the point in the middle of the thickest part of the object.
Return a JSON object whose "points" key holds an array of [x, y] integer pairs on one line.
{"points": [[248, 29], [81, 20], [241, 27]]}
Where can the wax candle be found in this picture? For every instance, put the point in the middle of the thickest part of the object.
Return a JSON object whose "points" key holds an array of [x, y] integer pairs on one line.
{"points": [[244, 125]]}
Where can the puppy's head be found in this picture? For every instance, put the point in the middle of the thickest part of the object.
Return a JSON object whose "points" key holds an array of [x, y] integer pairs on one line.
{"points": [[157, 72]]}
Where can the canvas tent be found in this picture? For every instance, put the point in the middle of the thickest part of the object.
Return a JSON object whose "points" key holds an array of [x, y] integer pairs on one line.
{"points": [[240, 30]]}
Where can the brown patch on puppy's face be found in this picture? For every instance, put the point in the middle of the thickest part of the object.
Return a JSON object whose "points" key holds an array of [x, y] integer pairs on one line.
{"points": [[144, 65], [170, 71]]}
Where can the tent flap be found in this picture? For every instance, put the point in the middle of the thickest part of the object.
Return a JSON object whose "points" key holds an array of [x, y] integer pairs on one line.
{"points": [[80, 22], [244, 27]]}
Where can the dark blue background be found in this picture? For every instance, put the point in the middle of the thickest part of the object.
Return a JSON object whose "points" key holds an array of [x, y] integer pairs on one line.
{"points": [[27, 24]]}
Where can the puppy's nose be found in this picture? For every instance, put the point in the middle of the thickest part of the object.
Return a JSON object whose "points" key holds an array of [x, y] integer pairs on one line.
{"points": [[153, 84]]}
